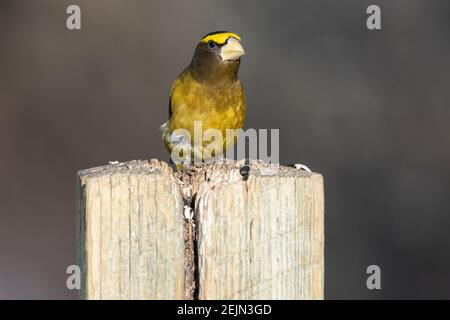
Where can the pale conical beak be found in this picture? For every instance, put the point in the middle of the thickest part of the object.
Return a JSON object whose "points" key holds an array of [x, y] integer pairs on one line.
{"points": [[232, 50]]}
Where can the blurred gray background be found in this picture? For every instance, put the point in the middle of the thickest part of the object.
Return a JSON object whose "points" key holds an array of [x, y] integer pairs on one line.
{"points": [[367, 109]]}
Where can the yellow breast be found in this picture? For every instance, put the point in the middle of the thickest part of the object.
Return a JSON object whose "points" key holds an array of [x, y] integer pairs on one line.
{"points": [[219, 107]]}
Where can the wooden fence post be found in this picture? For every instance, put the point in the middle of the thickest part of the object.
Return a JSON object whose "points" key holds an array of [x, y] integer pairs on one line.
{"points": [[130, 232], [255, 237]]}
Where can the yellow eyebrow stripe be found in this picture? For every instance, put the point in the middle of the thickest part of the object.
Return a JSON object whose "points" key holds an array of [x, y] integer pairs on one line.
{"points": [[220, 38]]}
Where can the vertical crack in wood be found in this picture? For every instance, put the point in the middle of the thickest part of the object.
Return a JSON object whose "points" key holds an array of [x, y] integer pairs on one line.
{"points": [[190, 259], [190, 235], [254, 238]]}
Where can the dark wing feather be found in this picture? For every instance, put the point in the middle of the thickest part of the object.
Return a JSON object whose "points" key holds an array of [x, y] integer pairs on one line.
{"points": [[170, 107]]}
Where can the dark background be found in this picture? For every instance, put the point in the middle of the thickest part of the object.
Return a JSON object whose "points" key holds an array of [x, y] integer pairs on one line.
{"points": [[367, 109]]}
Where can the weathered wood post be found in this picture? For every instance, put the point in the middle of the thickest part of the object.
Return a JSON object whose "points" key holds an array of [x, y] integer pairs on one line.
{"points": [[145, 232]]}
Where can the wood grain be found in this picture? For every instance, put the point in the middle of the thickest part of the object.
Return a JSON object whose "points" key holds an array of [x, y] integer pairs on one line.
{"points": [[262, 238], [255, 238], [130, 232]]}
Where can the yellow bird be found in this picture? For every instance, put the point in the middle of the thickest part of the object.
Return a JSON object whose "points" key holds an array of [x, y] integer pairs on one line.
{"points": [[208, 92]]}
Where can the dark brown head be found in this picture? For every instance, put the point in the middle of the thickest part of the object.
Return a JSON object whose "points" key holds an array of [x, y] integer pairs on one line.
{"points": [[217, 57]]}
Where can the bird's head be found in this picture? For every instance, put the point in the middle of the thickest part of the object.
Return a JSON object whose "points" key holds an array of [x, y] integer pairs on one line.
{"points": [[217, 56]]}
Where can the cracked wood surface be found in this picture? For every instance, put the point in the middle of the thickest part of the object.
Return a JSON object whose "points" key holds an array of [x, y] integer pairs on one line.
{"points": [[262, 238], [256, 239]]}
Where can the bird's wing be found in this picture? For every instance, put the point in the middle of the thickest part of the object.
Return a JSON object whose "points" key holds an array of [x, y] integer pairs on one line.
{"points": [[174, 85], [170, 106]]}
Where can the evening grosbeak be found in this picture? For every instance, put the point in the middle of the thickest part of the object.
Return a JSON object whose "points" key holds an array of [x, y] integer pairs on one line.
{"points": [[208, 90]]}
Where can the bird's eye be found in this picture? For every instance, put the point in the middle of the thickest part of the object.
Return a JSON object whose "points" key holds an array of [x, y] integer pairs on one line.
{"points": [[212, 44]]}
